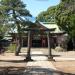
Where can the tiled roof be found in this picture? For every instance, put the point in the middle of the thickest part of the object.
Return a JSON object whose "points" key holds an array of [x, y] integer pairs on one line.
{"points": [[52, 25]]}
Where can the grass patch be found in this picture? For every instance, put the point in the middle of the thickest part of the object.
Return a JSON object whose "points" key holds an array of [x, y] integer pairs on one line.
{"points": [[11, 48]]}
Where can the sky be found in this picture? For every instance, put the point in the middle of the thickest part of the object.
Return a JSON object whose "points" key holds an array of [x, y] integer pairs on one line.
{"points": [[37, 6]]}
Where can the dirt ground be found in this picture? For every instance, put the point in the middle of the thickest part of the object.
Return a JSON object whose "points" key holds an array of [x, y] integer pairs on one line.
{"points": [[65, 66]]}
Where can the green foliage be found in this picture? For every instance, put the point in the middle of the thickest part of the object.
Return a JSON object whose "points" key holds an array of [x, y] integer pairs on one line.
{"points": [[47, 16], [16, 13], [15, 10], [65, 16], [72, 23], [3, 30], [11, 48], [1, 37]]}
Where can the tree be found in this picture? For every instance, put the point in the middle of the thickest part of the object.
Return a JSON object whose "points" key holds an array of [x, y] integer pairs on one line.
{"points": [[65, 12], [15, 9], [65, 17], [4, 26], [47, 16]]}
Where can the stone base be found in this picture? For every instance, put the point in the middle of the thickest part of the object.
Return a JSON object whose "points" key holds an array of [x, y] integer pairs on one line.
{"points": [[50, 58], [28, 59]]}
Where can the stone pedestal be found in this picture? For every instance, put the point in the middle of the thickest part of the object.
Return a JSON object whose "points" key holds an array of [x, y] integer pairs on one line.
{"points": [[50, 58]]}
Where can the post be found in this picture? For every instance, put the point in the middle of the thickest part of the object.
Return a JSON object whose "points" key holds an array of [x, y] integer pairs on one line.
{"points": [[28, 57], [49, 47]]}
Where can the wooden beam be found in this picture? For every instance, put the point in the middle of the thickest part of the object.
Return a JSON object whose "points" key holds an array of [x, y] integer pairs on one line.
{"points": [[38, 29]]}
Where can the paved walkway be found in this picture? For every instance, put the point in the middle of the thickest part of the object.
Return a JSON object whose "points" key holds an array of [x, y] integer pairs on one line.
{"points": [[41, 61], [40, 65], [40, 68]]}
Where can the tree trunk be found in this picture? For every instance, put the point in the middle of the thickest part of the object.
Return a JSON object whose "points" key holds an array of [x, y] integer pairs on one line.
{"points": [[19, 34], [28, 57], [19, 38], [19, 45]]}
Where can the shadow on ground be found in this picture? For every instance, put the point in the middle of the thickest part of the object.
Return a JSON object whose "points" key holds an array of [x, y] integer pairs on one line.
{"points": [[37, 70], [13, 61], [31, 70]]}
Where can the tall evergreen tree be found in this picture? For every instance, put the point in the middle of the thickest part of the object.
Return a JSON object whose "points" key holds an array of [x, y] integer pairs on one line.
{"points": [[65, 18], [16, 11], [64, 15], [47, 16]]}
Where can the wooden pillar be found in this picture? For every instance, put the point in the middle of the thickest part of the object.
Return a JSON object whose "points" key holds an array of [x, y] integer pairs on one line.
{"points": [[28, 57], [49, 46]]}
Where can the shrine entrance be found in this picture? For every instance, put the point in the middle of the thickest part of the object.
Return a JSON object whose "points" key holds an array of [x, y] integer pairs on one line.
{"points": [[39, 41], [30, 41]]}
